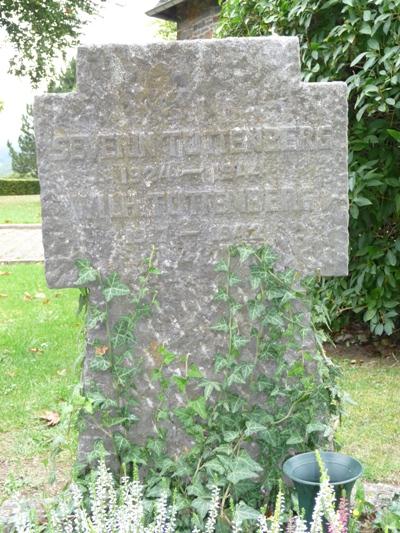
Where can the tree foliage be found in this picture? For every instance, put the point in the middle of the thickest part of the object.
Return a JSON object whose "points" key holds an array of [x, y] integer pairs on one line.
{"points": [[357, 41], [23, 160], [66, 81], [167, 30], [40, 30]]}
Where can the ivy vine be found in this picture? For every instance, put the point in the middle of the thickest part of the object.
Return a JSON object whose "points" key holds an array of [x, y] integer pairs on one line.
{"points": [[271, 393]]}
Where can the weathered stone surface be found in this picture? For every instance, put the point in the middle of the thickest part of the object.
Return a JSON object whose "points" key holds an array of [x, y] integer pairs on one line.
{"points": [[380, 494], [191, 146]]}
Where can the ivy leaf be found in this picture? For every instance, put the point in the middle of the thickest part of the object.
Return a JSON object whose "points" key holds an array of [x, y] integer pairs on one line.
{"points": [[274, 320], [98, 399], [95, 316], [194, 372], [122, 444], [237, 476], [255, 309], [199, 407], [244, 512], [296, 369], [233, 279], [100, 364], [221, 266], [244, 467], [122, 332], [253, 427], [236, 405], [230, 436], [209, 387], [222, 295], [238, 342], [197, 489], [181, 383], [202, 506], [221, 326], [235, 377], [314, 427], [214, 466], [113, 287], [167, 356], [87, 274], [295, 439], [245, 252]]}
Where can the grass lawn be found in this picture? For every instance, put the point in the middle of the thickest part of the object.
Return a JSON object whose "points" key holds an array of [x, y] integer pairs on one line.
{"points": [[371, 428], [40, 339], [20, 209], [39, 344]]}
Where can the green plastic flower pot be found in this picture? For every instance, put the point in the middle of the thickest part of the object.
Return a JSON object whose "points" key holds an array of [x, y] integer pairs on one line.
{"points": [[304, 471]]}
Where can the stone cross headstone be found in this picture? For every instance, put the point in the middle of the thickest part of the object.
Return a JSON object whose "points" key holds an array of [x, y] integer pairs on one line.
{"points": [[191, 146]]}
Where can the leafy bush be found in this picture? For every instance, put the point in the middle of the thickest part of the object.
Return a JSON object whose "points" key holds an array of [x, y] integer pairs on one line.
{"points": [[356, 41], [124, 509], [19, 186]]}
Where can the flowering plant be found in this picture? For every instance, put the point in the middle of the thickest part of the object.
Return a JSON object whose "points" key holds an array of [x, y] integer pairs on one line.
{"points": [[124, 509]]}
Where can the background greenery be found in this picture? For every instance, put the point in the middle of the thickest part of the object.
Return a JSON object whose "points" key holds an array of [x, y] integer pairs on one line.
{"points": [[356, 41], [17, 186], [40, 32], [39, 345], [20, 209], [370, 430], [23, 160]]}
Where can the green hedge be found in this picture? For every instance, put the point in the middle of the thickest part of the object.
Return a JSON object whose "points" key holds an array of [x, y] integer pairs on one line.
{"points": [[11, 187]]}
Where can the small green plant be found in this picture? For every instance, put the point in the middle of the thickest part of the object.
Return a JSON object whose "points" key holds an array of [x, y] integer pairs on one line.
{"points": [[388, 519], [362, 509], [270, 392]]}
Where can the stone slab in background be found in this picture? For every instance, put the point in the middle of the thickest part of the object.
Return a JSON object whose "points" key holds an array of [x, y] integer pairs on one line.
{"points": [[21, 243]]}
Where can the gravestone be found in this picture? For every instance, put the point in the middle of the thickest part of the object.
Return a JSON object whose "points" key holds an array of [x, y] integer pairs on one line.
{"points": [[191, 146]]}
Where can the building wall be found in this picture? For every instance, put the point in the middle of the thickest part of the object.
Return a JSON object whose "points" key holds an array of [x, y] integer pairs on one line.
{"points": [[197, 19]]}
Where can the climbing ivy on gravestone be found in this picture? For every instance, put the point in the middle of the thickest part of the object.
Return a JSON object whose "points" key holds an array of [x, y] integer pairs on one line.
{"points": [[236, 444]]}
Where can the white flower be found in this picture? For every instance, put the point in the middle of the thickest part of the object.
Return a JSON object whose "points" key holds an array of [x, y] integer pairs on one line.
{"points": [[121, 510], [262, 525], [213, 512]]}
